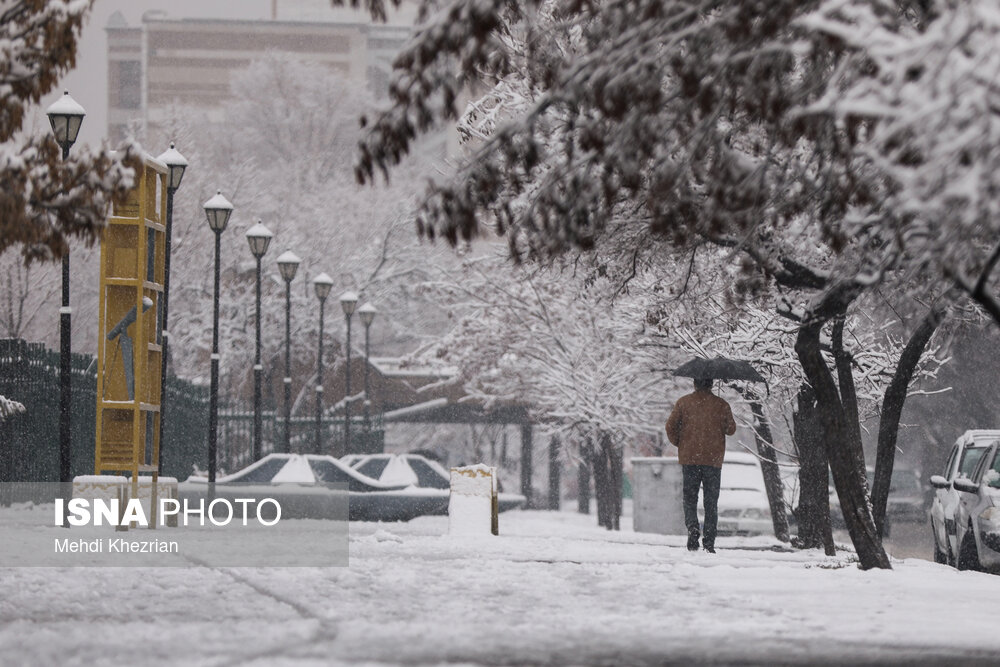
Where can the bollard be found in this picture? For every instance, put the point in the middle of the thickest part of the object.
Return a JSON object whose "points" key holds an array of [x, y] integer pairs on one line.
{"points": [[472, 504]]}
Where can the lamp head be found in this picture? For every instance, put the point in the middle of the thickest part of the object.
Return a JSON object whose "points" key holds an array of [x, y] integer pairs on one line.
{"points": [[367, 313], [322, 284], [218, 209], [348, 300], [66, 117], [288, 264], [259, 237], [176, 164]]}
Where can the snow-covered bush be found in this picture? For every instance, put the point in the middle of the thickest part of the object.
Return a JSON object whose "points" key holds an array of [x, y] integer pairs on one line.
{"points": [[9, 408]]}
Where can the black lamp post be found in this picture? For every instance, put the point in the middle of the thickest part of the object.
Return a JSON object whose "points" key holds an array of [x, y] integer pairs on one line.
{"points": [[66, 117], [348, 300], [288, 264], [259, 238], [322, 284], [176, 164], [217, 210], [367, 313]]}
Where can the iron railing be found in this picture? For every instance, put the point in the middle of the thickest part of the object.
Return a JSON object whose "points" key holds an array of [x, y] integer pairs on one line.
{"points": [[29, 442]]}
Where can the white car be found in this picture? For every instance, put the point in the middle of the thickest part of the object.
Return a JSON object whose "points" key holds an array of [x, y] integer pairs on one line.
{"points": [[977, 517], [743, 506], [962, 462]]}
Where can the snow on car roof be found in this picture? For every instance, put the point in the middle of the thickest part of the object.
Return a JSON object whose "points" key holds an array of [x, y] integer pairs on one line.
{"points": [[741, 470]]}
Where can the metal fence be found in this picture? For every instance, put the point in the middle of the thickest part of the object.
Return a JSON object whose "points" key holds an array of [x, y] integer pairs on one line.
{"points": [[185, 429], [29, 442], [236, 435]]}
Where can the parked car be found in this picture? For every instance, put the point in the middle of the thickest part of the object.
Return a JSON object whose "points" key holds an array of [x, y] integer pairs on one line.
{"points": [[977, 517], [312, 487], [907, 501], [743, 506], [419, 472], [964, 457]]}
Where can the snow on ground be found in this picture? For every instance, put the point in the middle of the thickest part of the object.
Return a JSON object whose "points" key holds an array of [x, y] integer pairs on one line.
{"points": [[551, 589]]}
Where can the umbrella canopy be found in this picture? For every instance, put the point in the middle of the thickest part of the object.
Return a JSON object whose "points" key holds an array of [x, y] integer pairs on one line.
{"points": [[719, 368]]}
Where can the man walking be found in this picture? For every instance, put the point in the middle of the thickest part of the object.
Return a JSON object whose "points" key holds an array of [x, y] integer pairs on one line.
{"points": [[698, 427]]}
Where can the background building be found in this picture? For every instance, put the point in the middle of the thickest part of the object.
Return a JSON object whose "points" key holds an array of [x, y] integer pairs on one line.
{"points": [[165, 61]]}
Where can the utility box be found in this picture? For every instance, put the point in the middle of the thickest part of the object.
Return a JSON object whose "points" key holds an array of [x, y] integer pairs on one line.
{"points": [[657, 496]]}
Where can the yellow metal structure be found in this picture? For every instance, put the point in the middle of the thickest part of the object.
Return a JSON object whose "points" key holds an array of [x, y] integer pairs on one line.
{"points": [[131, 284]]}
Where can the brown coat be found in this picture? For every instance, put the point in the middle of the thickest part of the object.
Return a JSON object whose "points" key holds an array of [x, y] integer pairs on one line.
{"points": [[698, 427]]}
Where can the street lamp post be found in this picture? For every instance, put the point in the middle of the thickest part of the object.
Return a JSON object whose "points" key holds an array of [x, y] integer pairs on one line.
{"points": [[259, 238], [348, 300], [176, 164], [288, 264], [367, 313], [322, 284], [65, 117], [217, 210]]}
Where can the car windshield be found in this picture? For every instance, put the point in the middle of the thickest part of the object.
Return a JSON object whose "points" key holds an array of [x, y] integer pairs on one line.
{"points": [[263, 473], [970, 458], [426, 475], [373, 467]]}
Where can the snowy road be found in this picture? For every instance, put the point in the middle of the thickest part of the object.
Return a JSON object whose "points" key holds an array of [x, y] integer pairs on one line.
{"points": [[552, 589]]}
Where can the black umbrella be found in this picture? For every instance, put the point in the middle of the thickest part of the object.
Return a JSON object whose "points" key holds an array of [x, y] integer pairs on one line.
{"points": [[719, 369]]}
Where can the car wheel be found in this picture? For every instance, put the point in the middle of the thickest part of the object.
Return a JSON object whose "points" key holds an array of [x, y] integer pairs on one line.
{"points": [[968, 556]]}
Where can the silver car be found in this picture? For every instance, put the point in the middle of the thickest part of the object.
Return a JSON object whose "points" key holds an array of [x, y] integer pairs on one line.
{"points": [[962, 462], [743, 506], [977, 517]]}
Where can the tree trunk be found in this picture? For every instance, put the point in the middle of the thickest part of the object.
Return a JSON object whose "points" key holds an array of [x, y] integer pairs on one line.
{"points": [[607, 464], [848, 392], [769, 468], [527, 455], [813, 512], [613, 456], [842, 450], [583, 481], [843, 361], [602, 483], [554, 481], [892, 409]]}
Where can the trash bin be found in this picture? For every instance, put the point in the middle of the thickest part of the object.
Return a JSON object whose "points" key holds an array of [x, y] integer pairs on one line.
{"points": [[657, 500]]}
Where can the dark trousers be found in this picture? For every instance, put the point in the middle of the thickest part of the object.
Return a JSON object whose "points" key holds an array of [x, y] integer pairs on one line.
{"points": [[708, 478]]}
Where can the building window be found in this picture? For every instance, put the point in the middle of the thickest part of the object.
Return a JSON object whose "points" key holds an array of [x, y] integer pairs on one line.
{"points": [[126, 84]]}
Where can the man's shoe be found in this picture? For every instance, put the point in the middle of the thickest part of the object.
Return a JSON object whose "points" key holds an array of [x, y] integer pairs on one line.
{"points": [[710, 548], [693, 540]]}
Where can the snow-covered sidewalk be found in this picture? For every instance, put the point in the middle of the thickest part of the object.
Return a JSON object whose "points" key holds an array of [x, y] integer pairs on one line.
{"points": [[551, 589]]}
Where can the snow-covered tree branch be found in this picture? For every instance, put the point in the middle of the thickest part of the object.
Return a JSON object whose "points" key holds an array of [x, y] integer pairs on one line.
{"points": [[44, 200]]}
